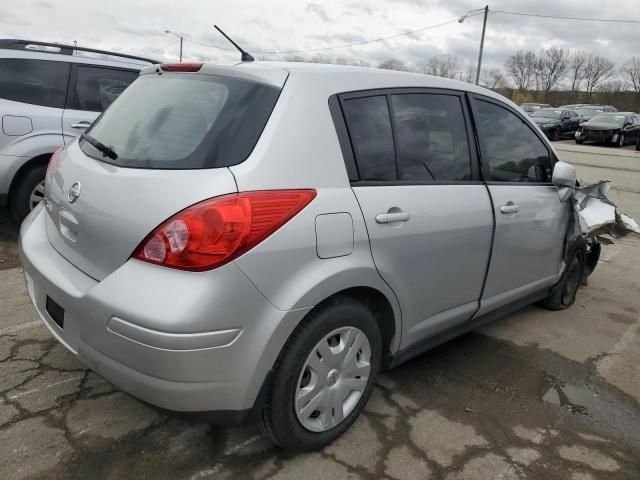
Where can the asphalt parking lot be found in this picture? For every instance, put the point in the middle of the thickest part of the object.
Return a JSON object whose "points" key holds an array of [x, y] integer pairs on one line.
{"points": [[539, 394]]}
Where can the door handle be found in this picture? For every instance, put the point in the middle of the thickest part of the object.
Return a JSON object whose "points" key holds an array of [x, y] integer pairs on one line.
{"points": [[392, 217], [510, 207], [82, 125]]}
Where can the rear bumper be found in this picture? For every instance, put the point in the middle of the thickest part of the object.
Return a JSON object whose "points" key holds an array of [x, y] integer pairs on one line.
{"points": [[182, 341]]}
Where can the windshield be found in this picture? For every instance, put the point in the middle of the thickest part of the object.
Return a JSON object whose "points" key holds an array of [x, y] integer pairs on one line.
{"points": [[547, 113], [604, 118], [530, 107], [588, 112], [183, 121]]}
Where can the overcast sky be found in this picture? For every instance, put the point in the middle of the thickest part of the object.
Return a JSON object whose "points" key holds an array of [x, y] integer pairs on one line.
{"points": [[138, 27]]}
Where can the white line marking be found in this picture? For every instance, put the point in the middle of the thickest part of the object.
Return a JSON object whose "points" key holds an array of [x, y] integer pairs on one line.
{"points": [[627, 338], [240, 446], [55, 384], [207, 472], [22, 326]]}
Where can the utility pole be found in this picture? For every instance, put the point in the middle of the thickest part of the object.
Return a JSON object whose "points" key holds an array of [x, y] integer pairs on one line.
{"points": [[181, 38], [484, 27]]}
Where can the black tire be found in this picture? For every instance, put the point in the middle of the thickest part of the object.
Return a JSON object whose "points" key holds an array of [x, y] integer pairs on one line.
{"points": [[620, 142], [20, 196], [592, 257], [638, 145], [563, 293], [555, 136], [579, 141], [279, 420]]}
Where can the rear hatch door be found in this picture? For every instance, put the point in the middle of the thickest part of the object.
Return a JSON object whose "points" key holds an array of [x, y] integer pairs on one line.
{"points": [[174, 137]]}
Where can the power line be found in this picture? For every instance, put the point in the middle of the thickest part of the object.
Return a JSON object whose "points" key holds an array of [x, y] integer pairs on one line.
{"points": [[345, 45], [585, 19], [162, 48]]}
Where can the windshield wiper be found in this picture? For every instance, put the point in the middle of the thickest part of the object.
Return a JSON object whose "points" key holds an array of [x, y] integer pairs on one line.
{"points": [[101, 147]]}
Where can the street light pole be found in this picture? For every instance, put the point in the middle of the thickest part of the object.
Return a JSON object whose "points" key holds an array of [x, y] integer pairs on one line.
{"points": [[181, 45], [180, 37], [484, 28]]}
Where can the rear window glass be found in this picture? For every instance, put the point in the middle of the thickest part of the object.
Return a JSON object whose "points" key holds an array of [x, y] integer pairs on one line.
{"points": [[38, 82], [184, 121]]}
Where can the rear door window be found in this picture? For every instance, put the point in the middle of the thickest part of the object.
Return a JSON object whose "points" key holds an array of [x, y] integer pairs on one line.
{"points": [[370, 130], [37, 82], [511, 150], [96, 88], [431, 138], [184, 121]]}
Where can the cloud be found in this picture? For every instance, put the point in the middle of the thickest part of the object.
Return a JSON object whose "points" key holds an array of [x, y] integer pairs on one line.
{"points": [[318, 10]]}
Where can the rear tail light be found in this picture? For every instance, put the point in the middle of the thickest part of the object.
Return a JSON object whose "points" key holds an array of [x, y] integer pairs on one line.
{"points": [[181, 67], [216, 231]]}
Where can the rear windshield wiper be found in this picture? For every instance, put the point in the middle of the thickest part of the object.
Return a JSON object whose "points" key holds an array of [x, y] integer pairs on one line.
{"points": [[101, 147]]}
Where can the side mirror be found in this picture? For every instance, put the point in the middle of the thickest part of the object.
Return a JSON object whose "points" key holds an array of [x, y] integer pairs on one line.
{"points": [[564, 177]]}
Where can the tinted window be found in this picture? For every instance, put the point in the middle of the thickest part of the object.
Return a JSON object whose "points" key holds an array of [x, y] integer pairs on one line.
{"points": [[573, 114], [370, 130], [184, 121], [431, 137], [514, 153], [39, 82], [96, 88]]}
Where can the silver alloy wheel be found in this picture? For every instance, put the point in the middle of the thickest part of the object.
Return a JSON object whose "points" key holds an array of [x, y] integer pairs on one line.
{"points": [[37, 194], [333, 379]]}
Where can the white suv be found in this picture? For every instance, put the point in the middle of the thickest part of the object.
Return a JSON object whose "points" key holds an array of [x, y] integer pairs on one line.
{"points": [[49, 94]]}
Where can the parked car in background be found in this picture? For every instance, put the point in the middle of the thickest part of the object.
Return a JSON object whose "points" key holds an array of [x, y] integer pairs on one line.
{"points": [[599, 106], [618, 128], [556, 123], [49, 94], [588, 112], [261, 239], [529, 108]]}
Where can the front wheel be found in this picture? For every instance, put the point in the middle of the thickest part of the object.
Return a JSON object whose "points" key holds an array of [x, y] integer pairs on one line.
{"points": [[323, 377], [620, 142], [563, 294], [555, 136]]}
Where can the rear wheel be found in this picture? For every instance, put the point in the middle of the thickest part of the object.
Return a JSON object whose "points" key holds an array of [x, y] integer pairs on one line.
{"points": [[323, 377], [563, 293], [28, 192], [556, 134]]}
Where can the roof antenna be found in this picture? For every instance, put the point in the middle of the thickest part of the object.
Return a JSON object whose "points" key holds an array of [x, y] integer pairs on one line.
{"points": [[246, 56]]}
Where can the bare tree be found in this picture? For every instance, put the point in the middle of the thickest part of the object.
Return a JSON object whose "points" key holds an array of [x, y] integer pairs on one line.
{"points": [[392, 64], [577, 66], [446, 66], [631, 74], [522, 67], [597, 71], [553, 64], [468, 73], [493, 78], [422, 66]]}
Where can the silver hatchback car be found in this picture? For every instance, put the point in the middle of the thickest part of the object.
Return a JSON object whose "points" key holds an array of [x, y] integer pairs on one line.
{"points": [[259, 240]]}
